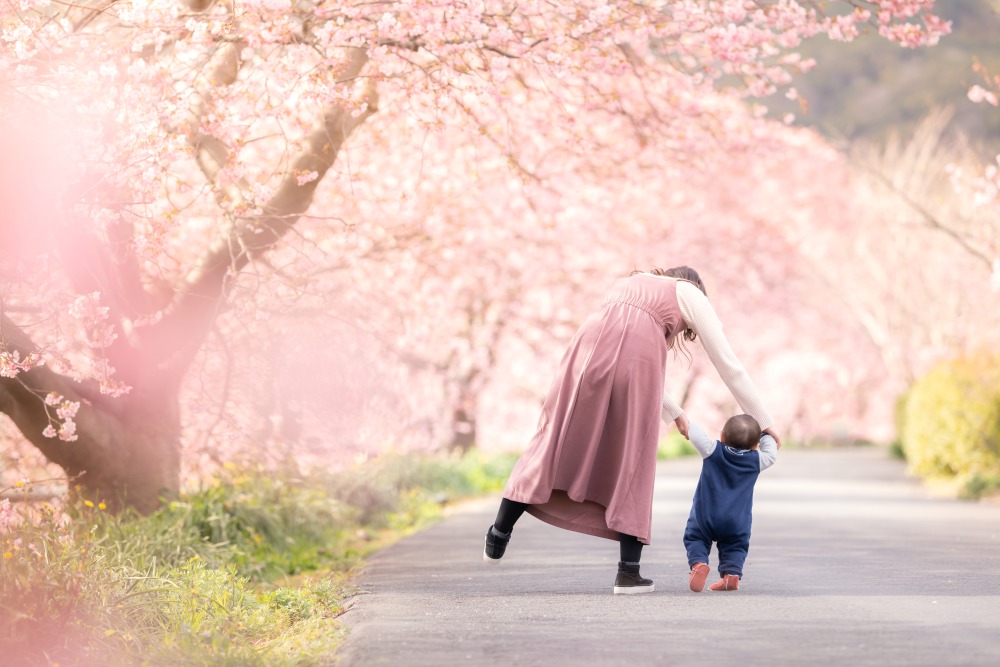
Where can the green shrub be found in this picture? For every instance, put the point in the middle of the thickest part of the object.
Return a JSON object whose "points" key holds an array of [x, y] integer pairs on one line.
{"points": [[951, 420], [373, 490], [978, 485], [263, 525], [899, 418], [896, 450], [674, 445]]}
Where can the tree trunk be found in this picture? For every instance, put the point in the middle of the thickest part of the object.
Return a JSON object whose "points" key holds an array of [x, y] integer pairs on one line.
{"points": [[463, 430], [464, 398], [127, 451], [143, 469]]}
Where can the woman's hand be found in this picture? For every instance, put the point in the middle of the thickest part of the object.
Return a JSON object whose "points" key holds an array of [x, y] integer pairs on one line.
{"points": [[774, 435], [683, 423]]}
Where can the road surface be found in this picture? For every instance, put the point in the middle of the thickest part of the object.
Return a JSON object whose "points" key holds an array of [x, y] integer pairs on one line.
{"points": [[851, 563]]}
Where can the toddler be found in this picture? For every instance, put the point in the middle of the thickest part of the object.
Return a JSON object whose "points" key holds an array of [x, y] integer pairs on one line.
{"points": [[721, 509]]}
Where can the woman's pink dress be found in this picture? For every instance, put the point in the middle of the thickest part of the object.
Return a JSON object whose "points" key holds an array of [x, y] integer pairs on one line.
{"points": [[590, 466]]}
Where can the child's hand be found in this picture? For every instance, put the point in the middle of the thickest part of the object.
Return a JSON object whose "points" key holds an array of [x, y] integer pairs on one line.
{"points": [[774, 435], [683, 423]]}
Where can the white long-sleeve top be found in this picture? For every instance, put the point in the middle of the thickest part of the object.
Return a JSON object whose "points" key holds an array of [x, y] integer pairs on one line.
{"points": [[699, 315], [706, 444]]}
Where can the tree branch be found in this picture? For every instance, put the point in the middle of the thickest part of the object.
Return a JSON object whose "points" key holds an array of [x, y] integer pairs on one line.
{"points": [[22, 399], [211, 153], [931, 220], [186, 322]]}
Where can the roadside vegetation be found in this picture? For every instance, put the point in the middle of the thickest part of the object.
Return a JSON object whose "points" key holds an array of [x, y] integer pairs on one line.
{"points": [[252, 569], [948, 425], [674, 445]]}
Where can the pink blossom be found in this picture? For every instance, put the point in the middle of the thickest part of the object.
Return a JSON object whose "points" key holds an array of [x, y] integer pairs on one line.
{"points": [[936, 27], [302, 178], [387, 22], [11, 363], [67, 431], [148, 320], [67, 409], [114, 388], [101, 336], [6, 513], [907, 34], [979, 94], [87, 306], [842, 28]]}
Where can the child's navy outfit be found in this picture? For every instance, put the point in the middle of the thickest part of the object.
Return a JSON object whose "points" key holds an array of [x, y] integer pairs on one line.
{"points": [[723, 499]]}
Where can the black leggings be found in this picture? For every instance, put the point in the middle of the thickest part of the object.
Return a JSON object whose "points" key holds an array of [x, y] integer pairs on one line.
{"points": [[629, 546], [510, 511]]}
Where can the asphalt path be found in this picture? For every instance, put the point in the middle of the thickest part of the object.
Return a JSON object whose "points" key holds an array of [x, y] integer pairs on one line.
{"points": [[850, 563]]}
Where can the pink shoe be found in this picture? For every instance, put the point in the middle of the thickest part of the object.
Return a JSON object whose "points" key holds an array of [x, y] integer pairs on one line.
{"points": [[729, 582], [699, 574]]}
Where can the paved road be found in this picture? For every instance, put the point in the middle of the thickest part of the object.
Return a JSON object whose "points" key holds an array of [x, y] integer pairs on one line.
{"points": [[851, 563]]}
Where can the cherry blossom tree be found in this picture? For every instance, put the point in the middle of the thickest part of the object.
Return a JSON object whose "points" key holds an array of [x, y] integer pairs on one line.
{"points": [[163, 164], [905, 259], [753, 230], [738, 219], [984, 188]]}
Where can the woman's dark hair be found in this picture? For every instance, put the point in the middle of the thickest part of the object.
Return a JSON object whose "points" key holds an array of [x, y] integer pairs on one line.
{"points": [[681, 273]]}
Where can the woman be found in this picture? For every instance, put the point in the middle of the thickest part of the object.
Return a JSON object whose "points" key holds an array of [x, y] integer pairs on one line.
{"points": [[590, 466]]}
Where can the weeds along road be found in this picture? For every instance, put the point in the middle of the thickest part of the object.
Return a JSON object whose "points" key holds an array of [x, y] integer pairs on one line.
{"points": [[850, 563]]}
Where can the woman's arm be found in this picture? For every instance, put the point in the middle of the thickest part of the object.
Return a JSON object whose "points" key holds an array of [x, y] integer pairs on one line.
{"points": [[672, 412], [700, 316]]}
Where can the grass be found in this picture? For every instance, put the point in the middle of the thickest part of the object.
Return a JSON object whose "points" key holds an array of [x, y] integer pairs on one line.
{"points": [[250, 570]]}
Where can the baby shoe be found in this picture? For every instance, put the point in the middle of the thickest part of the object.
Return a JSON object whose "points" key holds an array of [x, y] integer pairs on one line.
{"points": [[729, 582], [699, 573]]}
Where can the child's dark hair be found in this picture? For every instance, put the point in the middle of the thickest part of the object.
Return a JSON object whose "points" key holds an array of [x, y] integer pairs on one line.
{"points": [[741, 432]]}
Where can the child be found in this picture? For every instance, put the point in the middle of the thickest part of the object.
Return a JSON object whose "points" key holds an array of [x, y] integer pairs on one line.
{"points": [[720, 511]]}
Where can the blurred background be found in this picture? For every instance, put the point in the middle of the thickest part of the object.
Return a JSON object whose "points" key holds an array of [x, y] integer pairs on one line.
{"points": [[280, 279], [427, 279]]}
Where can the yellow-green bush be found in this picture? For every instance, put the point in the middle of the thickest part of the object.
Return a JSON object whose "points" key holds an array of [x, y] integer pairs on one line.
{"points": [[950, 425]]}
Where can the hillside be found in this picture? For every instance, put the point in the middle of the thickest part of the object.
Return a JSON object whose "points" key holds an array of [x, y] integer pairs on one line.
{"points": [[863, 89]]}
